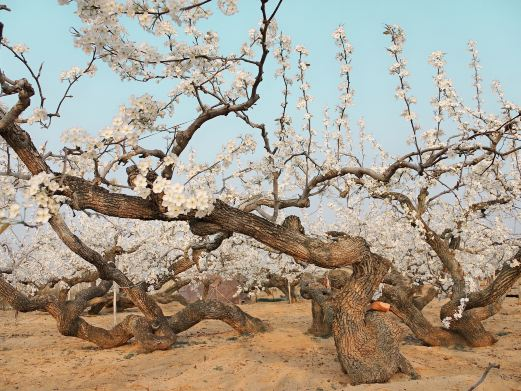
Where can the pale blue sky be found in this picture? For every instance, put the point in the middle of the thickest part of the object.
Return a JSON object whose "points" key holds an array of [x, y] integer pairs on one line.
{"points": [[444, 25]]}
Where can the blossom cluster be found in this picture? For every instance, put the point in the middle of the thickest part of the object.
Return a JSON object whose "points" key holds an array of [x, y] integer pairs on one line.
{"points": [[457, 315]]}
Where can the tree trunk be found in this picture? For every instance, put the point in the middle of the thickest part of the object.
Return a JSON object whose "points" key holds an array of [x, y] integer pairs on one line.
{"points": [[67, 315], [321, 292], [321, 306], [467, 330], [402, 305], [108, 271], [281, 283], [321, 321], [165, 298], [206, 288], [229, 313], [107, 301], [367, 342], [95, 309], [481, 305]]}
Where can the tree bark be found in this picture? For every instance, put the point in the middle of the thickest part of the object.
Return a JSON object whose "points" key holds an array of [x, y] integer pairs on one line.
{"points": [[108, 271], [69, 322], [367, 342], [402, 305], [84, 194], [467, 330], [321, 306], [322, 320], [281, 283], [231, 314], [481, 305]]}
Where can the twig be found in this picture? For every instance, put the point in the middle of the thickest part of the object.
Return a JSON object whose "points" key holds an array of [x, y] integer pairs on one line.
{"points": [[482, 379], [195, 5]]}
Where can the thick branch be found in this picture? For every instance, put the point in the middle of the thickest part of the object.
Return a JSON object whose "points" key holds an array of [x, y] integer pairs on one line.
{"points": [[70, 324], [347, 250], [213, 309]]}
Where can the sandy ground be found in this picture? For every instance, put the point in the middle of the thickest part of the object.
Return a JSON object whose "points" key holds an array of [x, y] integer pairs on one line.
{"points": [[210, 356]]}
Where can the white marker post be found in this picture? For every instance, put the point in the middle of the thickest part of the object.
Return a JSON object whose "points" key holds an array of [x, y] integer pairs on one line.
{"points": [[289, 291], [115, 290]]}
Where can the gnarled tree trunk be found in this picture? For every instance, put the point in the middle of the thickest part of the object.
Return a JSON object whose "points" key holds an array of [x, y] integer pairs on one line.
{"points": [[466, 330], [70, 323], [229, 313], [321, 306], [322, 319], [367, 342], [321, 292], [67, 315], [480, 306]]}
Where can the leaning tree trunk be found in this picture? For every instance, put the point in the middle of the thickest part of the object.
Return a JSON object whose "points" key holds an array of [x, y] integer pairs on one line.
{"points": [[154, 331], [367, 342], [321, 292], [70, 322], [480, 306], [465, 330], [402, 305], [229, 313], [67, 315]]}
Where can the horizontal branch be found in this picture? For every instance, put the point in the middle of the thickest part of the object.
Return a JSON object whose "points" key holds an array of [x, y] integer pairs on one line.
{"points": [[213, 309]]}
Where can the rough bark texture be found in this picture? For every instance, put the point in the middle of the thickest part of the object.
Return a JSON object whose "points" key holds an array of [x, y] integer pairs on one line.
{"points": [[165, 298], [213, 309], [468, 330], [367, 342], [482, 305], [322, 320], [321, 292], [344, 251], [321, 306], [402, 305], [108, 271], [69, 322], [20, 141], [84, 194]]}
